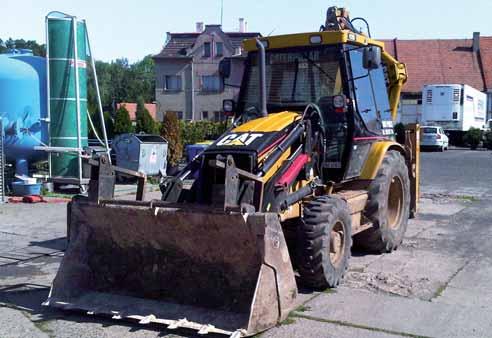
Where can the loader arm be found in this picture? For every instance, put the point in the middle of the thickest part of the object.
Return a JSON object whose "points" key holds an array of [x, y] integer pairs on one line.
{"points": [[397, 76]]}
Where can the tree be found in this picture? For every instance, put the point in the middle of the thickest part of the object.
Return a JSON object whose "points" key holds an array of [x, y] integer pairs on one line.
{"points": [[171, 132], [145, 122], [122, 122], [120, 81], [37, 49], [108, 122]]}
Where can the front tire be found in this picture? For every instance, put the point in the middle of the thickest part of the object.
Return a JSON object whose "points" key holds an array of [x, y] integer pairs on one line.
{"points": [[388, 206], [324, 242]]}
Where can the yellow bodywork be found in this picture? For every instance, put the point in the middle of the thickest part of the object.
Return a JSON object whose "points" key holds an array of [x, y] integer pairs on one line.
{"points": [[375, 158], [397, 73], [270, 123]]}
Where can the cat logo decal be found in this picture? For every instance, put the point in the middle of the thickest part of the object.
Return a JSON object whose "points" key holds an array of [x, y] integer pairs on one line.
{"points": [[244, 139]]}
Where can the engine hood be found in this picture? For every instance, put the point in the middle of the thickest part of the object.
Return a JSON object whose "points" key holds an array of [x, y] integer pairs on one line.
{"points": [[257, 135]]}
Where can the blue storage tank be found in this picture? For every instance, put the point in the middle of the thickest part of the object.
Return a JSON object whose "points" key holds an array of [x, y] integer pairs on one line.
{"points": [[23, 107]]}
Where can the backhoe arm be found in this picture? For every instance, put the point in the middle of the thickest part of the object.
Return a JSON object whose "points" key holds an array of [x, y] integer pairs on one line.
{"points": [[397, 76]]}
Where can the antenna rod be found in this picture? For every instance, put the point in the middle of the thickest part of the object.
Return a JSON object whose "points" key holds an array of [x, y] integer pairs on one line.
{"points": [[221, 12]]}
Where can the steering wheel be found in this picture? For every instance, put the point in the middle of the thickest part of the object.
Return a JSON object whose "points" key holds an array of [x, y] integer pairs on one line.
{"points": [[313, 113]]}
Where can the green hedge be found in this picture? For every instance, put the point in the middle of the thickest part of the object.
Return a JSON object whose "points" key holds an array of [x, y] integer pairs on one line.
{"points": [[473, 137], [198, 131], [487, 142]]}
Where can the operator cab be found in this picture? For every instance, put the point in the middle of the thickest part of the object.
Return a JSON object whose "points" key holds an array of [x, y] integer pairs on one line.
{"points": [[316, 75]]}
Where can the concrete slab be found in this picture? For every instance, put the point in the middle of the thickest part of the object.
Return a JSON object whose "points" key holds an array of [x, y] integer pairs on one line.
{"points": [[471, 286], [16, 324], [399, 314], [443, 208], [301, 327], [403, 273], [416, 226]]}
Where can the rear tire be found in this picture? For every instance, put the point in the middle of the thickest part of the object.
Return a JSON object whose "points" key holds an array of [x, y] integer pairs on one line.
{"points": [[324, 242], [388, 206]]}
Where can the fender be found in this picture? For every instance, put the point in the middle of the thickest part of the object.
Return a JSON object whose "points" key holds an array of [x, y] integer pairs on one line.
{"points": [[376, 155]]}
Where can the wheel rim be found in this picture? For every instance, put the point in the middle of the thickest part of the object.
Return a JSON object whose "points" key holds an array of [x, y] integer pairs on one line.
{"points": [[337, 243], [395, 202]]}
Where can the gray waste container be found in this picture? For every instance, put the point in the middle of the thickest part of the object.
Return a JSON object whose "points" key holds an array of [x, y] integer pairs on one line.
{"points": [[141, 152]]}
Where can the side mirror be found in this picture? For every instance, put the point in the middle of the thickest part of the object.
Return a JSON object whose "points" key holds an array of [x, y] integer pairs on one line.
{"points": [[225, 68], [228, 106], [371, 57]]}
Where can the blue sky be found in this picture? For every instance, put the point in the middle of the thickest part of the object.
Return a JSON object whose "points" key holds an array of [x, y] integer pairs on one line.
{"points": [[134, 29]]}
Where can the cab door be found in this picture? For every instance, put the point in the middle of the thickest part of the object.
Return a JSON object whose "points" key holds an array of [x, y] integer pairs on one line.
{"points": [[372, 116]]}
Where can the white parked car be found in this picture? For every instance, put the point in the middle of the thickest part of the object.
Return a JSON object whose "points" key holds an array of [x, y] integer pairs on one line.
{"points": [[433, 137]]}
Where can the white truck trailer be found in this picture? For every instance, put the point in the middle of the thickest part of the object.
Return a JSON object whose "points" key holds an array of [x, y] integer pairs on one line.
{"points": [[454, 107]]}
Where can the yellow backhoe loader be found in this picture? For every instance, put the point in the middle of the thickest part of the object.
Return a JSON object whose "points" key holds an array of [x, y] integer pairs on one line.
{"points": [[309, 166]]}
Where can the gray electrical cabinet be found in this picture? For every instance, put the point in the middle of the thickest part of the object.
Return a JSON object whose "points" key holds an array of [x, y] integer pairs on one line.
{"points": [[141, 152]]}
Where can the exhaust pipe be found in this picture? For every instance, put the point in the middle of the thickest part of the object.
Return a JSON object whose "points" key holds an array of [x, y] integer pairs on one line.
{"points": [[262, 69]]}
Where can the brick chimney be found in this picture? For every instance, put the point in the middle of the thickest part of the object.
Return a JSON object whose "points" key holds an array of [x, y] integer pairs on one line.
{"points": [[476, 42], [199, 27], [242, 26]]}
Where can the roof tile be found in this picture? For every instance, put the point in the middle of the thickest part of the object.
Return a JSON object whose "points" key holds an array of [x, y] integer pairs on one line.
{"points": [[444, 61]]}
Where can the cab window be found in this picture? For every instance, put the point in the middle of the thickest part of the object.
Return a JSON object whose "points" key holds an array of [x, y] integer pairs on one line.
{"points": [[370, 91], [364, 95], [378, 80]]}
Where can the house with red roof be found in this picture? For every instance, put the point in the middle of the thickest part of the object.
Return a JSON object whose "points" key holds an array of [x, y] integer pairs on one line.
{"points": [[442, 61], [132, 110], [187, 71]]}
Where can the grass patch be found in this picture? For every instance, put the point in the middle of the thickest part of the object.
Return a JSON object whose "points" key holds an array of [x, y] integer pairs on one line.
{"points": [[466, 198], [330, 290], [55, 194], [287, 321], [42, 325], [303, 308], [443, 287], [440, 290]]}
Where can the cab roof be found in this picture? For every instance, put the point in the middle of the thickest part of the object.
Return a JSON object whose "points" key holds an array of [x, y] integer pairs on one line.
{"points": [[312, 39]]}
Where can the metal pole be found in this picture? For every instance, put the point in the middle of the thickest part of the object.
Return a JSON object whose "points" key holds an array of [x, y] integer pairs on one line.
{"points": [[262, 79], [99, 103], [48, 100], [77, 93], [192, 92]]}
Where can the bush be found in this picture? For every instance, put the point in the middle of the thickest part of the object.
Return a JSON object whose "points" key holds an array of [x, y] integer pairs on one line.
{"points": [[145, 122], [122, 122], [171, 132], [199, 131], [488, 140], [473, 137]]}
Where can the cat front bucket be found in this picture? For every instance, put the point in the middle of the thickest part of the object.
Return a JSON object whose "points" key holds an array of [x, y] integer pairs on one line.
{"points": [[215, 272]]}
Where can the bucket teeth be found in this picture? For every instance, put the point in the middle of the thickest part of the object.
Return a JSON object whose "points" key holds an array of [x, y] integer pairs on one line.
{"points": [[177, 323], [116, 315], [205, 329], [147, 320], [238, 334]]}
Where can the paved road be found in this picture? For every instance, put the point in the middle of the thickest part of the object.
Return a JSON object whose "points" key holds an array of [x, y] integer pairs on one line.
{"points": [[436, 285]]}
